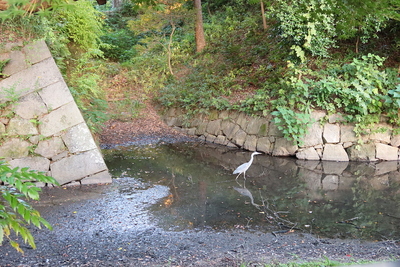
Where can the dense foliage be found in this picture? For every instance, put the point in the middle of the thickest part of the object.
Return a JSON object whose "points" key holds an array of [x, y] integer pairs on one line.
{"points": [[339, 56]]}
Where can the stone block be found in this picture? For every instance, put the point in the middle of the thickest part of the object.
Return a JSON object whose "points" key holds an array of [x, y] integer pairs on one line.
{"points": [[34, 139], [334, 152], [334, 118], [50, 148], [8, 46], [283, 147], [263, 131], [347, 144], [77, 167], [170, 121], [214, 127], [17, 63], [317, 115], [239, 137], [60, 119], [56, 95], [30, 106], [395, 140], [14, 148], [213, 115], [308, 153], [386, 152], [34, 163], [243, 120], [18, 126], [229, 129], [382, 136], [364, 152], [79, 138], [347, 134], [250, 143], [254, 125], [191, 131], [99, 178], [313, 136], [221, 139], [31, 79], [62, 155], [224, 115], [171, 112], [195, 122], [274, 131], [331, 133], [209, 137], [201, 128], [36, 52]]}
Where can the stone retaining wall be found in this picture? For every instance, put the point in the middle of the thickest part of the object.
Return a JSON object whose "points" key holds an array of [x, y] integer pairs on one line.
{"points": [[42, 127], [332, 141]]}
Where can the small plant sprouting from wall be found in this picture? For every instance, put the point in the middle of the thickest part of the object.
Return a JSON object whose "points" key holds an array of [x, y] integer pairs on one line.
{"points": [[293, 125], [3, 63]]}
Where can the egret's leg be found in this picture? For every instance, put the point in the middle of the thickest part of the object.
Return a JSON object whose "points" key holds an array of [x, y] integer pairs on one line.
{"points": [[244, 175], [238, 175]]}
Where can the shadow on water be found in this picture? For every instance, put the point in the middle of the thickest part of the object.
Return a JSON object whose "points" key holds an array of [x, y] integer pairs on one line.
{"points": [[330, 199]]}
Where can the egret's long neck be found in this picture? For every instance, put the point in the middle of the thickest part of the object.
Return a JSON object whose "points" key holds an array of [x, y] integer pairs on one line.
{"points": [[252, 157]]}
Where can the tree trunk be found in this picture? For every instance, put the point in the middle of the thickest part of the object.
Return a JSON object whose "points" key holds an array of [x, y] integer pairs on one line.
{"points": [[199, 31], [264, 19], [169, 48]]}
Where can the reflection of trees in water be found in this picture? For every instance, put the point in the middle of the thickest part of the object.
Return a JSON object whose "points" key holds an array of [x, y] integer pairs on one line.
{"points": [[357, 200], [273, 216], [341, 199]]}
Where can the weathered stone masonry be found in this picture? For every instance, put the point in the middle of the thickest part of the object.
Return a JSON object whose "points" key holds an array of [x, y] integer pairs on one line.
{"points": [[43, 128], [331, 141]]}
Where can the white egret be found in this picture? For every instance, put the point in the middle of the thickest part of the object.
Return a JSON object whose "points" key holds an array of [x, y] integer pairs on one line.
{"points": [[245, 166]]}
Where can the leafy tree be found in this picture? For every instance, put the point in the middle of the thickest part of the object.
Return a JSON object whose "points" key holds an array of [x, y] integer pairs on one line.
{"points": [[81, 22], [361, 19], [16, 187], [160, 17], [316, 26], [305, 25]]}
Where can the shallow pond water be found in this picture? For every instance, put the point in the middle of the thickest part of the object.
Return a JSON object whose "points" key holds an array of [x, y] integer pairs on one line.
{"points": [[329, 199]]}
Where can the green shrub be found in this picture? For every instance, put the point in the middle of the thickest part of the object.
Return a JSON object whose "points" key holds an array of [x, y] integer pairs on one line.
{"points": [[305, 24], [357, 88], [89, 96], [3, 63], [120, 45], [81, 22], [16, 187]]}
